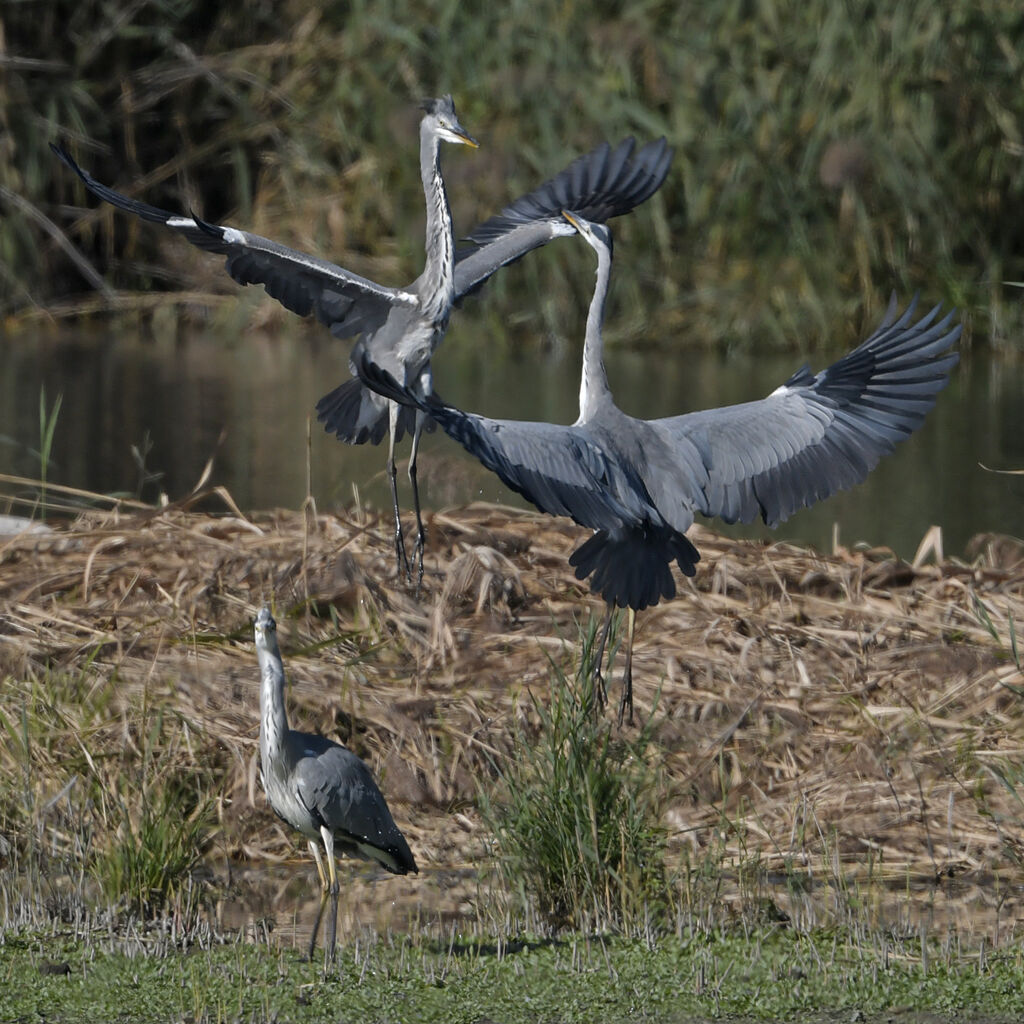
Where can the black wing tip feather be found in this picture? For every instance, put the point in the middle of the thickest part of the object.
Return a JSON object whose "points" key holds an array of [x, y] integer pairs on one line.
{"points": [[898, 344], [878, 395], [153, 214], [598, 185], [405, 862], [61, 152], [211, 229]]}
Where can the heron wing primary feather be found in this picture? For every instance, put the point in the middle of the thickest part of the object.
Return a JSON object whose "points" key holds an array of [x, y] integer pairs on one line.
{"points": [[817, 434], [599, 185], [304, 284]]}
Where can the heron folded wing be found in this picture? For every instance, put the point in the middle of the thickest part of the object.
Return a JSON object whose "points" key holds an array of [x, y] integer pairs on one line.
{"points": [[345, 302], [338, 790]]}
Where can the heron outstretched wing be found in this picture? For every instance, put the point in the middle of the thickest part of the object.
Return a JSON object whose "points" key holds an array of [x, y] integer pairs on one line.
{"points": [[817, 434], [345, 302], [603, 183], [558, 468]]}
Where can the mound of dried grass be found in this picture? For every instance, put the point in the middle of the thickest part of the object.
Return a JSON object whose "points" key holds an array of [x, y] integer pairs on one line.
{"points": [[834, 711]]}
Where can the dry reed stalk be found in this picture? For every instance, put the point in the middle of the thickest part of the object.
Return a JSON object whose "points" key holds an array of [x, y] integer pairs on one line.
{"points": [[830, 707]]}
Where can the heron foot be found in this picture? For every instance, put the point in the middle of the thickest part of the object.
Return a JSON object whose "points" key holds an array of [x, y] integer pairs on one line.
{"points": [[626, 701], [402, 566], [598, 700]]}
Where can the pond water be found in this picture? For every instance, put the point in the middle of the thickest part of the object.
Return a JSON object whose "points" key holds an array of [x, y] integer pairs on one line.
{"points": [[245, 398]]}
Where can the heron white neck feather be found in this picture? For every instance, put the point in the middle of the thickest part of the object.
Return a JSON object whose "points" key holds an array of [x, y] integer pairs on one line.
{"points": [[594, 390], [273, 718], [439, 273]]}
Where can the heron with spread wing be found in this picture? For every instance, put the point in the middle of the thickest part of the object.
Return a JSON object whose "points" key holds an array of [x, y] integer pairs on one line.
{"points": [[399, 328], [320, 788], [639, 483], [348, 304]]}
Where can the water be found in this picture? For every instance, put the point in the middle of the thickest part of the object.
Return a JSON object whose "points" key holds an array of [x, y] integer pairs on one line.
{"points": [[244, 400]]}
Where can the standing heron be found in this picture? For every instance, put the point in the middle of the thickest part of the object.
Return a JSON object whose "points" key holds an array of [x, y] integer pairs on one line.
{"points": [[400, 328], [320, 788], [638, 483]]}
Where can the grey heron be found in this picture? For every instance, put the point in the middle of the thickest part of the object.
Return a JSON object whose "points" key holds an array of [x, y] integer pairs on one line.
{"points": [[350, 305], [400, 327], [639, 483], [320, 788]]}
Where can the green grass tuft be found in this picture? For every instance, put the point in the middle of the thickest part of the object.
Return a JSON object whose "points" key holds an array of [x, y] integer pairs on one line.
{"points": [[575, 811]]}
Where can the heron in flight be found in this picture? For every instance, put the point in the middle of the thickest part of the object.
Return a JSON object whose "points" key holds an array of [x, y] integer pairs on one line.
{"points": [[401, 327], [320, 788], [387, 318], [639, 483]]}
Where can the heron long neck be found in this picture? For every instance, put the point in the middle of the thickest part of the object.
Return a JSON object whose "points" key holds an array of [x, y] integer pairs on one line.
{"points": [[439, 273], [594, 389], [273, 719]]}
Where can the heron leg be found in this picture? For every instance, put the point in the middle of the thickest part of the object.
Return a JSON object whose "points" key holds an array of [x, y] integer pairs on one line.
{"points": [[332, 920], [316, 924], [597, 674], [626, 700], [421, 536], [401, 559], [315, 850]]}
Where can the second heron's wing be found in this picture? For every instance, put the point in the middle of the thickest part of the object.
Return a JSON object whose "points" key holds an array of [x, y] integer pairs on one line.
{"points": [[345, 302], [602, 184], [817, 433]]}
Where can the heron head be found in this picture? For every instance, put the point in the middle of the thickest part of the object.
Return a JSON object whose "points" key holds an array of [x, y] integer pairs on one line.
{"points": [[265, 627], [598, 235], [440, 117]]}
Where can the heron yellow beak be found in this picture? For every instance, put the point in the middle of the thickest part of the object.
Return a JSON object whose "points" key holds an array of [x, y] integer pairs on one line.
{"points": [[572, 220], [468, 140]]}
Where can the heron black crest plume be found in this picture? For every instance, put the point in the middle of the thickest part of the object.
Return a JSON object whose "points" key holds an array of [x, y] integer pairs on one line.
{"points": [[439, 105]]}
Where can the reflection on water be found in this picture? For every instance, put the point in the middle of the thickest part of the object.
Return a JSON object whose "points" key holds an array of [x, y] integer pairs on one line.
{"points": [[246, 401]]}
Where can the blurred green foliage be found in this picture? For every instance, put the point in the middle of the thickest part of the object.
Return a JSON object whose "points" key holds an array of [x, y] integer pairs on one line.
{"points": [[827, 153]]}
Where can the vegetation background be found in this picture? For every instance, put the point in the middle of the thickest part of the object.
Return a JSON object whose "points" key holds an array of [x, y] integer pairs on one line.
{"points": [[827, 153], [843, 728]]}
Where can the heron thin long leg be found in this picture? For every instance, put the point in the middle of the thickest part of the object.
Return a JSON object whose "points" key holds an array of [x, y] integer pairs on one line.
{"points": [[600, 690], [314, 849], [421, 536], [626, 701], [332, 920], [401, 559], [316, 925]]}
